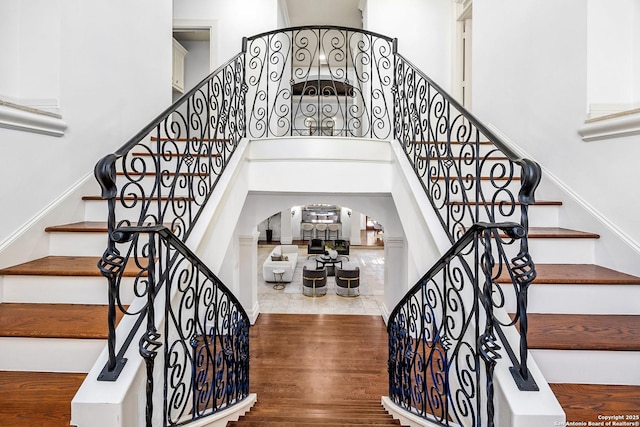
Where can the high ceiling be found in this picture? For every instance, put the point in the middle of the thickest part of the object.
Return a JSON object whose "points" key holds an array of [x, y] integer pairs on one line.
{"points": [[343, 13]]}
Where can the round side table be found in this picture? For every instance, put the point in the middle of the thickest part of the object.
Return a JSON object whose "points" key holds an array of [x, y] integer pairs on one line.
{"points": [[277, 275]]}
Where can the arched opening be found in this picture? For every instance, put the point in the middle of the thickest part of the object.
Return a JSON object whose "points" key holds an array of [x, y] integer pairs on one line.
{"points": [[286, 261], [387, 264]]}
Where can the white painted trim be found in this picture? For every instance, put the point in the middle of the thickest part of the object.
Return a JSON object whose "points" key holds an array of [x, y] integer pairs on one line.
{"points": [[30, 234], [202, 24], [406, 418], [285, 12], [612, 126], [253, 313], [220, 419], [27, 119]]}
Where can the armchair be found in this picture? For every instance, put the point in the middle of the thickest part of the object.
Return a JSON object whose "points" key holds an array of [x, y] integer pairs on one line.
{"points": [[314, 282], [315, 247], [348, 282], [342, 246]]}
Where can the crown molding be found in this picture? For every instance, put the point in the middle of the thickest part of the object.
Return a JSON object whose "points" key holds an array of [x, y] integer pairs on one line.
{"points": [[28, 119]]}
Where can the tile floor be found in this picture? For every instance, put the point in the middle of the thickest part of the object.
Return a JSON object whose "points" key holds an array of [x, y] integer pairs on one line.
{"points": [[290, 299]]}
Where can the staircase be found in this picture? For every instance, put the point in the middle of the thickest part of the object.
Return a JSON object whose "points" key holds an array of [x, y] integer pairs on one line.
{"points": [[325, 371], [584, 323], [52, 326], [318, 370]]}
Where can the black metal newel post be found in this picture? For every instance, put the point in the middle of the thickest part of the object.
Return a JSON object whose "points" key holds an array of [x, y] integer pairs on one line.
{"points": [[487, 343]]}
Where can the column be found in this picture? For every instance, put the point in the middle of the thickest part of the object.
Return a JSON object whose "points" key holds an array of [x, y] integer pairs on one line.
{"points": [[286, 237], [248, 274], [395, 273], [354, 231]]}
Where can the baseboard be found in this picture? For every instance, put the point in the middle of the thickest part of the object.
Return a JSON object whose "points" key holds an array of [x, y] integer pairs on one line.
{"points": [[30, 241]]}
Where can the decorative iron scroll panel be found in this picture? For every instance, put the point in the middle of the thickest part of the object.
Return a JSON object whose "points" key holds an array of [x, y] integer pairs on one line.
{"points": [[186, 152], [164, 177], [204, 339], [442, 342], [468, 179], [319, 81], [206, 349], [312, 81]]}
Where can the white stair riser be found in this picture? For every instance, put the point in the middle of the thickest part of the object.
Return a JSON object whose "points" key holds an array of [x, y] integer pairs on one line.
{"points": [[170, 186], [96, 210], [49, 354], [146, 164], [77, 244], [457, 150], [539, 216], [577, 299], [488, 187], [558, 251], [464, 167], [80, 244], [589, 366], [62, 290]]}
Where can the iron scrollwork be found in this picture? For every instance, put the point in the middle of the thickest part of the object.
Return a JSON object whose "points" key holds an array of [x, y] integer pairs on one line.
{"points": [[444, 331], [325, 81]]}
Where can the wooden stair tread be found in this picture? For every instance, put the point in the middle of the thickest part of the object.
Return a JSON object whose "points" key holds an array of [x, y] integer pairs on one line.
{"points": [[559, 233], [452, 142], [83, 227], [472, 177], [53, 321], [383, 418], [584, 332], [178, 154], [585, 402], [79, 227], [458, 158], [258, 423], [37, 398], [131, 198], [164, 174], [155, 138], [62, 266], [343, 413], [497, 202], [578, 274]]}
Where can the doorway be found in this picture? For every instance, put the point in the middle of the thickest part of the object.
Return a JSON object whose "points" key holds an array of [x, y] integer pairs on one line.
{"points": [[198, 41]]}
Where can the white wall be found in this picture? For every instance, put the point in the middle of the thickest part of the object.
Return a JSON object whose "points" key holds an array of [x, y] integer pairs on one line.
{"points": [[530, 81], [613, 47], [10, 48], [424, 29], [113, 77], [235, 18], [31, 39]]}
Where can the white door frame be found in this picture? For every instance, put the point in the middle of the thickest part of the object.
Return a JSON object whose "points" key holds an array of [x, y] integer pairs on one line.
{"points": [[207, 25], [463, 54]]}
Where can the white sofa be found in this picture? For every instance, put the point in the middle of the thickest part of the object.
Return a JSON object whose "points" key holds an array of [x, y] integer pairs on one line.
{"points": [[290, 252]]}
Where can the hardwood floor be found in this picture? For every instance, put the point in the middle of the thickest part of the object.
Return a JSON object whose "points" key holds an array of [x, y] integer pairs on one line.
{"points": [[37, 398], [325, 370]]}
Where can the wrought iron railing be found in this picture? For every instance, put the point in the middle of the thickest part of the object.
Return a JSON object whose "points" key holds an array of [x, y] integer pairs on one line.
{"points": [[443, 343], [204, 332], [329, 81], [469, 175], [164, 176], [295, 82]]}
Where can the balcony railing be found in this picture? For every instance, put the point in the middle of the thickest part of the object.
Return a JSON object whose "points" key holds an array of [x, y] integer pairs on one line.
{"points": [[321, 81]]}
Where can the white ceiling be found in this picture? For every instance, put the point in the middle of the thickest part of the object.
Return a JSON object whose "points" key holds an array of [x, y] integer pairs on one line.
{"points": [[343, 13]]}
